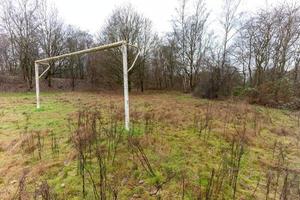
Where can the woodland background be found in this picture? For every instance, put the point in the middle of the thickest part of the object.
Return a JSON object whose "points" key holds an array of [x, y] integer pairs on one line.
{"points": [[257, 55]]}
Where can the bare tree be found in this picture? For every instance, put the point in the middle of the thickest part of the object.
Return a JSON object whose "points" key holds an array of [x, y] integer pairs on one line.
{"points": [[191, 37], [164, 64], [20, 21], [51, 36], [243, 50], [228, 23], [7, 57], [127, 24], [270, 43], [179, 26], [76, 40], [286, 34]]}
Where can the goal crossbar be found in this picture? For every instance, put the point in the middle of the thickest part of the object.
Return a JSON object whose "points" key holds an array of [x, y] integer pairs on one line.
{"points": [[90, 50], [122, 44]]}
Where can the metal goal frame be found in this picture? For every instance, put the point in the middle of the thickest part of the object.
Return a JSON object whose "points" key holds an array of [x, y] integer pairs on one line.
{"points": [[122, 44]]}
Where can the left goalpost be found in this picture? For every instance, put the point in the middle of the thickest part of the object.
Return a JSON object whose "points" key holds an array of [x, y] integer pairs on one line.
{"points": [[122, 44]]}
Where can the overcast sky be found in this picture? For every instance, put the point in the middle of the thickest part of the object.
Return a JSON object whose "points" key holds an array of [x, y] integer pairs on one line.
{"points": [[90, 15]]}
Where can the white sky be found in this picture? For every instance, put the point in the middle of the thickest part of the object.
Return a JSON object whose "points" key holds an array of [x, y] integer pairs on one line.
{"points": [[90, 15]]}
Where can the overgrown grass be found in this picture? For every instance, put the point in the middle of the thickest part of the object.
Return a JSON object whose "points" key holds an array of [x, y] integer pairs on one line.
{"points": [[187, 141]]}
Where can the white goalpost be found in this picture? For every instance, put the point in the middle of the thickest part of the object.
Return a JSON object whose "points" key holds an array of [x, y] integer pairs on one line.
{"points": [[122, 44]]}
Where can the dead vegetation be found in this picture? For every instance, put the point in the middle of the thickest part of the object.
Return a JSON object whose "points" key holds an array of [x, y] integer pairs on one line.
{"points": [[200, 150]]}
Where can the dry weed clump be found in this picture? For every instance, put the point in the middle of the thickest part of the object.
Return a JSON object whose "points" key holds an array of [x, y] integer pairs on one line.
{"points": [[96, 136], [282, 182], [224, 179], [54, 144], [149, 122], [33, 142], [28, 144], [203, 123], [257, 122], [240, 117], [10, 147], [21, 192], [138, 151], [44, 191]]}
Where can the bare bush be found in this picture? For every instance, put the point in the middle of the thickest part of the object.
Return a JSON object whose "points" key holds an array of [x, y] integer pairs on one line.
{"points": [[96, 139], [203, 124]]}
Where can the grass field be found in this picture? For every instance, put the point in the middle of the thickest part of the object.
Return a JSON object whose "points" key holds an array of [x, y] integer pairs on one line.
{"points": [[179, 147]]}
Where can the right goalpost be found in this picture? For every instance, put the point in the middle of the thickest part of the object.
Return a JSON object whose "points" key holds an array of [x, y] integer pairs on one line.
{"points": [[122, 44]]}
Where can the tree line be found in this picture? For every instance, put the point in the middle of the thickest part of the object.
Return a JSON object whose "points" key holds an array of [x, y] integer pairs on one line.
{"points": [[255, 54]]}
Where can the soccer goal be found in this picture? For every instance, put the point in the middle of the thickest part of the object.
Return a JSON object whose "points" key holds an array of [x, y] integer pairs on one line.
{"points": [[122, 44]]}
